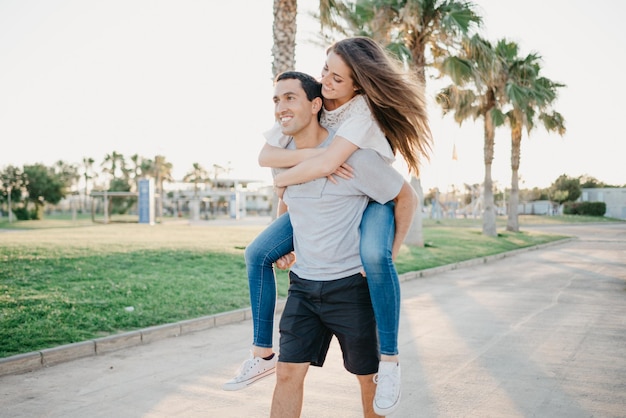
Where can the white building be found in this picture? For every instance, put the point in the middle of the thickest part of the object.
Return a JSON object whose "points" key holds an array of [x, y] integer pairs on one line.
{"points": [[538, 207], [615, 199]]}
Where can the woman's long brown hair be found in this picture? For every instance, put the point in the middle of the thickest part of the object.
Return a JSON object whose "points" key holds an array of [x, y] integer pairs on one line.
{"points": [[396, 98]]}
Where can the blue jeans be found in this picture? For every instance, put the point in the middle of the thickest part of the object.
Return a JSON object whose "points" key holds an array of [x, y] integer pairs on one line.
{"points": [[275, 241], [378, 228], [377, 233]]}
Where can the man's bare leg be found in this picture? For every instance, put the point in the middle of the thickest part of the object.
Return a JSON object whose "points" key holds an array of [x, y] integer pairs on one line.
{"points": [[289, 390], [368, 389]]}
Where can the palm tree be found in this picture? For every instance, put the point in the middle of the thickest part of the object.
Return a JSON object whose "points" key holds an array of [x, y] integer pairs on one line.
{"points": [[479, 77], [530, 97], [88, 174], [197, 176], [284, 29], [284, 34], [420, 32], [162, 172], [146, 167], [136, 169], [114, 165]]}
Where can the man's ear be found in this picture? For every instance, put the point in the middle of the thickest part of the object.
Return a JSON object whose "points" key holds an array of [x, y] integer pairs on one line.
{"points": [[316, 104]]}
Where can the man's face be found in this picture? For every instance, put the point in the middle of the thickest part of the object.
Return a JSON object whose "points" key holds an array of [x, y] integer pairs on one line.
{"points": [[292, 108]]}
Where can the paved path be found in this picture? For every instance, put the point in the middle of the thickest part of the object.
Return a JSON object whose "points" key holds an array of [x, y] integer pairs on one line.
{"points": [[538, 334]]}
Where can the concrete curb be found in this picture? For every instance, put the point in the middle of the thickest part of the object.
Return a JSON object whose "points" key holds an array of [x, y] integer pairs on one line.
{"points": [[28, 362]]}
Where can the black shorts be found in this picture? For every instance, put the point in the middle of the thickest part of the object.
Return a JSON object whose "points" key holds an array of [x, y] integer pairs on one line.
{"points": [[317, 310]]}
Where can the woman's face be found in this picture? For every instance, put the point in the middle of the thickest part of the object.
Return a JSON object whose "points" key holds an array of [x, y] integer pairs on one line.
{"points": [[336, 80]]}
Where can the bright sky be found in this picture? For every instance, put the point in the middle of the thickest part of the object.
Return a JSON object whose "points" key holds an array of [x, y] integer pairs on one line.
{"points": [[191, 80]]}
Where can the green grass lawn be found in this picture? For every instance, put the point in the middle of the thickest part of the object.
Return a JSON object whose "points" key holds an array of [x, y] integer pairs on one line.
{"points": [[64, 281]]}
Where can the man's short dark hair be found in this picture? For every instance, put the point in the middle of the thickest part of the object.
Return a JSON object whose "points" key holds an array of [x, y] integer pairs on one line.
{"points": [[311, 86]]}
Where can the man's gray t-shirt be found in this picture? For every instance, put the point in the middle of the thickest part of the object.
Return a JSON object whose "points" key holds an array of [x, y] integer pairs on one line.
{"points": [[326, 216]]}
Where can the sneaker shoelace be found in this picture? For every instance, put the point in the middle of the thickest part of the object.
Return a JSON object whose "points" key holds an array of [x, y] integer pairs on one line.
{"points": [[247, 366], [387, 387]]}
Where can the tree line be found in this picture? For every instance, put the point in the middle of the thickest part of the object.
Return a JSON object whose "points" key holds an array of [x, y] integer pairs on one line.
{"points": [[563, 189], [27, 189]]}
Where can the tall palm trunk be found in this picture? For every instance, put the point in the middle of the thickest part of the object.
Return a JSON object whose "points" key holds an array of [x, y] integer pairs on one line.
{"points": [[489, 212], [512, 223], [415, 236], [284, 34], [284, 48]]}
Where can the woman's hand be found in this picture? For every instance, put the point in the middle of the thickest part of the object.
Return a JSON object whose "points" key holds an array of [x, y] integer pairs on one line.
{"points": [[344, 171], [280, 191]]}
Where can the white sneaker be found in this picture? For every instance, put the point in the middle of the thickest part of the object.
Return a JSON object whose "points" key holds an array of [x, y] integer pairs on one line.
{"points": [[253, 369], [388, 384]]}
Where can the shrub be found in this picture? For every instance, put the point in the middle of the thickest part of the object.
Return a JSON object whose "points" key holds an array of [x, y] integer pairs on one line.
{"points": [[584, 208], [22, 214]]}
